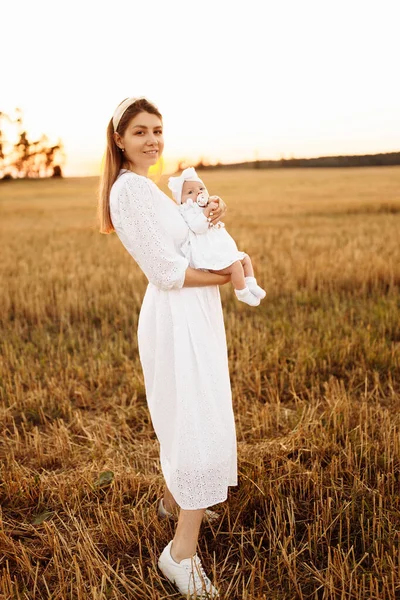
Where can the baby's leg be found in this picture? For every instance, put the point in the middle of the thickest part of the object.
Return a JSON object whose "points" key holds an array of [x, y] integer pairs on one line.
{"points": [[235, 270], [250, 280], [242, 292], [247, 266]]}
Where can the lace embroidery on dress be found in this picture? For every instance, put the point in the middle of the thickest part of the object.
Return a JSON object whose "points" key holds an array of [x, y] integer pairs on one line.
{"points": [[182, 347]]}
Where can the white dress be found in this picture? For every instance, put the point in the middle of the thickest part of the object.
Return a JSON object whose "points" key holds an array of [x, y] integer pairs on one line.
{"points": [[182, 348], [206, 247]]}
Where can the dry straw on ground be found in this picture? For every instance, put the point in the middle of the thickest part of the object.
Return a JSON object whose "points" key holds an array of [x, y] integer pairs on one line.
{"points": [[316, 393]]}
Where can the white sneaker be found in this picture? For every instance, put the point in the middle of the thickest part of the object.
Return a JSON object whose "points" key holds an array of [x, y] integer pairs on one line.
{"points": [[245, 295], [255, 289], [188, 575], [209, 515]]}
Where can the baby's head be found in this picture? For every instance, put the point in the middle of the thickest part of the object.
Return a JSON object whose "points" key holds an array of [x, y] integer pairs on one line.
{"points": [[191, 189], [187, 185]]}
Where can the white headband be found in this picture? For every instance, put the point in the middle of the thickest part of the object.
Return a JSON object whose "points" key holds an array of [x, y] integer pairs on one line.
{"points": [[121, 108], [175, 184]]}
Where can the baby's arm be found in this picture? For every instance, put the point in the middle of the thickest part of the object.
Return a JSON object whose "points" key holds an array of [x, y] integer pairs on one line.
{"points": [[198, 221]]}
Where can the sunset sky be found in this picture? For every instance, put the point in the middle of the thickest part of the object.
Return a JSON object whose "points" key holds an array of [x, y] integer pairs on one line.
{"points": [[233, 80]]}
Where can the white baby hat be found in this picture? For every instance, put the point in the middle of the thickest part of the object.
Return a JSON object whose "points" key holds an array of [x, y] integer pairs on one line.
{"points": [[175, 184]]}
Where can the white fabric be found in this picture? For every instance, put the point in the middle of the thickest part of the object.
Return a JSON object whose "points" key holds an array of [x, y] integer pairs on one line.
{"points": [[121, 108], [206, 247], [175, 184], [182, 348]]}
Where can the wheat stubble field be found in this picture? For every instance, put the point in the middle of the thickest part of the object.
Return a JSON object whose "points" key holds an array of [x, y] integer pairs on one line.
{"points": [[315, 374]]}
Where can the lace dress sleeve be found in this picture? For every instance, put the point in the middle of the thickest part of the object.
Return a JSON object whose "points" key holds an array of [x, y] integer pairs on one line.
{"points": [[145, 238]]}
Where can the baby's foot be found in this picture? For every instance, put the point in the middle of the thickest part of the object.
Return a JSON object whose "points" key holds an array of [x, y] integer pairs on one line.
{"points": [[245, 295], [255, 289]]}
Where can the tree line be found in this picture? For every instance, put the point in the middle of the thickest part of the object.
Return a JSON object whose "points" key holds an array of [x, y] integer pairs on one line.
{"points": [[365, 160], [24, 158]]}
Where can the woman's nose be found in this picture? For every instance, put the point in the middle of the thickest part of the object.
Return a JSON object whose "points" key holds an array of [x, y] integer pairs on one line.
{"points": [[153, 139]]}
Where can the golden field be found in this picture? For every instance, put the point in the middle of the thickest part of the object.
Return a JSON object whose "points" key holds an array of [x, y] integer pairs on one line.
{"points": [[315, 373]]}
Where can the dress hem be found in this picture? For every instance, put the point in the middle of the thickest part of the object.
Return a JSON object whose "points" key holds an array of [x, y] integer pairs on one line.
{"points": [[208, 505]]}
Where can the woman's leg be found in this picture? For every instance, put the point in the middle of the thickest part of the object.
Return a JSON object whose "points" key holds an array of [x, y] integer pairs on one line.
{"points": [[186, 535], [187, 532], [169, 501]]}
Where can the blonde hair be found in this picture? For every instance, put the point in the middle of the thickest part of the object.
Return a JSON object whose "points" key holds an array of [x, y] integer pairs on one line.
{"points": [[113, 159]]}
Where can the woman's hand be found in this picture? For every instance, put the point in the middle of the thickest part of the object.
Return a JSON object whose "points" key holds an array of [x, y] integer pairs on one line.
{"points": [[216, 214], [211, 207]]}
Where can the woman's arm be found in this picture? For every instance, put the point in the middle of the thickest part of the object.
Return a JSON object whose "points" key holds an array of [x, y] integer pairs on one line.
{"points": [[197, 278], [137, 224]]}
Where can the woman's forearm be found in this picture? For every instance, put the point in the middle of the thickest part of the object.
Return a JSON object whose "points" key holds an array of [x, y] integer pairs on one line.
{"points": [[196, 278]]}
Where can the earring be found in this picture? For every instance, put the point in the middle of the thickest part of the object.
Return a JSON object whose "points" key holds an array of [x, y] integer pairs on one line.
{"points": [[123, 149]]}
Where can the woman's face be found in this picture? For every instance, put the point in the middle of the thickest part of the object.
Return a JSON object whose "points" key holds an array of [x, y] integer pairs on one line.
{"points": [[143, 141]]}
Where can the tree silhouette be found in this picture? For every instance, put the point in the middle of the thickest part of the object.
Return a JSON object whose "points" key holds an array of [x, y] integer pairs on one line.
{"points": [[182, 165], [26, 159], [202, 164]]}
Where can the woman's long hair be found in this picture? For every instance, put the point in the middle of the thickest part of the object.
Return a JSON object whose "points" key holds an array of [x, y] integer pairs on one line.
{"points": [[113, 160]]}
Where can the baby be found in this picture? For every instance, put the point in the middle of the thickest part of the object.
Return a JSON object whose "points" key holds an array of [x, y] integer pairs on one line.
{"points": [[210, 246]]}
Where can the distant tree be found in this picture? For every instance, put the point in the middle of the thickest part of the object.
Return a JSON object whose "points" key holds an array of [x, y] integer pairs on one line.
{"points": [[182, 165], [26, 159], [202, 164], [57, 171]]}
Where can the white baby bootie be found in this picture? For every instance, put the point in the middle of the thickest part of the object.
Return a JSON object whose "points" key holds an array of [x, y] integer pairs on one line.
{"points": [[255, 289], [245, 295]]}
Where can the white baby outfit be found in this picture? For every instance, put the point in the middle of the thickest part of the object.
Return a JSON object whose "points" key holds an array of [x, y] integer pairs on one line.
{"points": [[207, 247], [182, 348]]}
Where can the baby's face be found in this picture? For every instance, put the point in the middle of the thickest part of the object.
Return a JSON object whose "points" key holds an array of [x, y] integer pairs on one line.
{"points": [[190, 189]]}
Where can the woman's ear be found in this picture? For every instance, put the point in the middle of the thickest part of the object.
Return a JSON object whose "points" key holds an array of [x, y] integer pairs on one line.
{"points": [[117, 138]]}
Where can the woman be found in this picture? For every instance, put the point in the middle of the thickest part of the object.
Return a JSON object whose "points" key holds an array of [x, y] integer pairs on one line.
{"points": [[181, 338]]}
